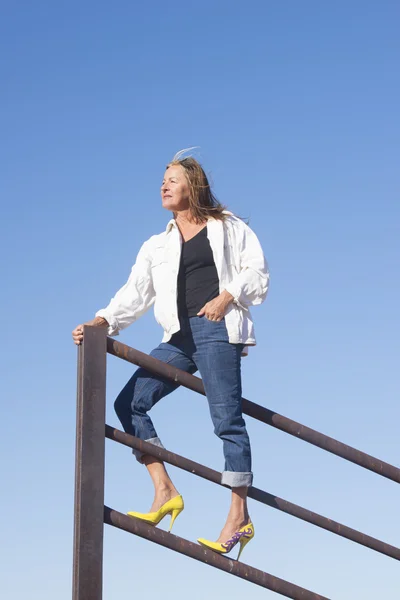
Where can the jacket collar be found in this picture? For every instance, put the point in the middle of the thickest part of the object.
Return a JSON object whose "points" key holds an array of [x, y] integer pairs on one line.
{"points": [[172, 223]]}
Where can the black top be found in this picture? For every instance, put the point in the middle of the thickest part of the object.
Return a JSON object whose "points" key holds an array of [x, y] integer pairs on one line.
{"points": [[198, 281]]}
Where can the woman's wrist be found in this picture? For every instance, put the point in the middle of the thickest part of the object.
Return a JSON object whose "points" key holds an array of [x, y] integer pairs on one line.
{"points": [[227, 297], [98, 322]]}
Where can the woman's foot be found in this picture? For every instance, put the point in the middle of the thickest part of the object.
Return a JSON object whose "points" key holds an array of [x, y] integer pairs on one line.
{"points": [[241, 536], [232, 525], [172, 507], [162, 495]]}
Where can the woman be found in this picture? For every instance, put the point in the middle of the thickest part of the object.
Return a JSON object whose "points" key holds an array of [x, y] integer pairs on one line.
{"points": [[202, 273]]}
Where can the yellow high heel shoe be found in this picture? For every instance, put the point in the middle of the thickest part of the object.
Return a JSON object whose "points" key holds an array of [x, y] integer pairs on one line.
{"points": [[173, 507], [243, 536]]}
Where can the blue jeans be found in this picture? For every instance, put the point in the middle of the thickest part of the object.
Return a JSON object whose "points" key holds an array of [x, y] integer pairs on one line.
{"points": [[199, 345]]}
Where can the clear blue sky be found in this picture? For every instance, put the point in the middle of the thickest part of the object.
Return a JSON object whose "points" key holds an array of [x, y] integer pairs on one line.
{"points": [[295, 108]]}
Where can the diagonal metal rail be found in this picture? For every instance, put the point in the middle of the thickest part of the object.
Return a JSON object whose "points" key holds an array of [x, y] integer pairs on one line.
{"points": [[91, 514], [260, 495], [258, 412], [178, 544]]}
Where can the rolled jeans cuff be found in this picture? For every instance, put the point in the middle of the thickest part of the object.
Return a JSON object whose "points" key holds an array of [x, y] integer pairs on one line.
{"points": [[234, 479], [156, 441]]}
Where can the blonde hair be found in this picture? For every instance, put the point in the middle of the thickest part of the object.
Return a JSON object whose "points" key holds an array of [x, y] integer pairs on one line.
{"points": [[202, 201]]}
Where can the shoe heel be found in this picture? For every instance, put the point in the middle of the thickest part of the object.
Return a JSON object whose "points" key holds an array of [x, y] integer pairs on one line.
{"points": [[174, 514], [242, 543]]}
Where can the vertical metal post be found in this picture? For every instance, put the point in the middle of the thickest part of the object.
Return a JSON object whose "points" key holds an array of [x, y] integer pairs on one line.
{"points": [[89, 466]]}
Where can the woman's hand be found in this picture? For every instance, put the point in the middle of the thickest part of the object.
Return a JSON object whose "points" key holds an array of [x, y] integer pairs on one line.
{"points": [[215, 310], [77, 334]]}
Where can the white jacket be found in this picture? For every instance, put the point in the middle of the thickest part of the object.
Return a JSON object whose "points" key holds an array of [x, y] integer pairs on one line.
{"points": [[242, 271]]}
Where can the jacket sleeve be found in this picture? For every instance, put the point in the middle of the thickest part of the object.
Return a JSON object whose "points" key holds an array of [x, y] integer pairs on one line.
{"points": [[134, 298], [250, 285]]}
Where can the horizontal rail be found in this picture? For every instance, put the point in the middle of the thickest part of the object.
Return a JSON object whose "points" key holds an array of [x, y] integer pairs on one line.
{"points": [[178, 544], [260, 495], [257, 412]]}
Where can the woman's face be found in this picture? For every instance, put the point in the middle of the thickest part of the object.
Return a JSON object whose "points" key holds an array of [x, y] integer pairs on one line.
{"points": [[175, 189]]}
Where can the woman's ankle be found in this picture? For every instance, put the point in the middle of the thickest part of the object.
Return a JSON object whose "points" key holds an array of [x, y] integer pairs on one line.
{"points": [[239, 516], [165, 489]]}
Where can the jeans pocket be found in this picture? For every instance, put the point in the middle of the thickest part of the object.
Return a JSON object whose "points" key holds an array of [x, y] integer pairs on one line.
{"points": [[210, 321]]}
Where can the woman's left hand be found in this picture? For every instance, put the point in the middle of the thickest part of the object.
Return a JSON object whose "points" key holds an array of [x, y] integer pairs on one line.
{"points": [[215, 310]]}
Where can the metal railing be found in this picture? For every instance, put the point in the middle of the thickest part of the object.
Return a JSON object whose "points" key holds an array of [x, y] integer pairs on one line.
{"points": [[91, 514]]}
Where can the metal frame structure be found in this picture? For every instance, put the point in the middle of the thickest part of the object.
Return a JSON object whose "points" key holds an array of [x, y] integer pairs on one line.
{"points": [[91, 514]]}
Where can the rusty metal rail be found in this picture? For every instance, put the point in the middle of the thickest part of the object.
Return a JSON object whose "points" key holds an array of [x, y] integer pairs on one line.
{"points": [[260, 495], [89, 467], [258, 412], [178, 544], [91, 514]]}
